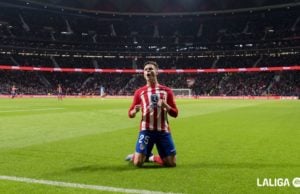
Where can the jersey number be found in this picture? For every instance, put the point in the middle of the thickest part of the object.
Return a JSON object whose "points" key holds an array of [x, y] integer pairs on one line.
{"points": [[144, 138]]}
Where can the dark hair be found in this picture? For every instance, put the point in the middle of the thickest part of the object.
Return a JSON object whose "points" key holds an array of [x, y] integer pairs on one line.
{"points": [[152, 63]]}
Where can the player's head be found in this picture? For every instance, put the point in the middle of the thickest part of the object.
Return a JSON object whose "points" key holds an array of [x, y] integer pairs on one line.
{"points": [[152, 63], [151, 71]]}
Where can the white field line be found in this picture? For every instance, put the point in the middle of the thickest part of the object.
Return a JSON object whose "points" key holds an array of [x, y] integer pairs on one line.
{"points": [[78, 185], [25, 110]]}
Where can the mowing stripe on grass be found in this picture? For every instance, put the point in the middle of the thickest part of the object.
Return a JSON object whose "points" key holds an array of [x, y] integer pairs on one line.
{"points": [[78, 185], [24, 110]]}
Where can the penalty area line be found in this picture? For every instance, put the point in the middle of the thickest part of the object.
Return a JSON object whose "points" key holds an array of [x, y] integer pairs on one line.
{"points": [[79, 185]]}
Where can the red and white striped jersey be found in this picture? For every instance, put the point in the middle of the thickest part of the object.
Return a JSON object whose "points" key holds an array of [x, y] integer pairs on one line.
{"points": [[153, 116]]}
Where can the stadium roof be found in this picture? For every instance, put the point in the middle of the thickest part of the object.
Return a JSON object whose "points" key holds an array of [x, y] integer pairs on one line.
{"points": [[163, 6]]}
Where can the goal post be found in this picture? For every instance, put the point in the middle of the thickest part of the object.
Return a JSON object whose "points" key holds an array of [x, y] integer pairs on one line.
{"points": [[184, 92]]}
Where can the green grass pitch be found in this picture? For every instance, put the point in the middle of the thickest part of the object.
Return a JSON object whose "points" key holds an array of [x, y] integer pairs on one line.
{"points": [[223, 146]]}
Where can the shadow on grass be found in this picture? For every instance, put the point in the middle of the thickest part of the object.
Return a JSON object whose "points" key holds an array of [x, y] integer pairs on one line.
{"points": [[130, 167], [238, 165], [125, 167]]}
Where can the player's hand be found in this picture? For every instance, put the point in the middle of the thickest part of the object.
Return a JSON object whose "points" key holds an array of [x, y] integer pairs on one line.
{"points": [[163, 104], [137, 108]]}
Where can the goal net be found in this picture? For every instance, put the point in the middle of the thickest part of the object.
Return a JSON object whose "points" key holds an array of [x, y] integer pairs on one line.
{"points": [[186, 92]]}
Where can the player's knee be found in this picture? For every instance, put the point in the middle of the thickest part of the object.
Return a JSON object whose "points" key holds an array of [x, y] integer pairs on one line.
{"points": [[170, 164], [138, 160], [170, 161], [138, 163]]}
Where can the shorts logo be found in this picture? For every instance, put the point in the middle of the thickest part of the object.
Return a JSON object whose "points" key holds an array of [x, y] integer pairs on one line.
{"points": [[142, 147]]}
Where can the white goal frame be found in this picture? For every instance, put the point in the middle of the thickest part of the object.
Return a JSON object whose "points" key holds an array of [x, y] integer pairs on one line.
{"points": [[182, 92]]}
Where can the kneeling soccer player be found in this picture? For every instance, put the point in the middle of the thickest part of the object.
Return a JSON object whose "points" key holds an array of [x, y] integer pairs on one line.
{"points": [[156, 102]]}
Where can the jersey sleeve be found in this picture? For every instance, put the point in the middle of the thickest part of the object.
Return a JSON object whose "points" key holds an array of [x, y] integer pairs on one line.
{"points": [[136, 101], [173, 112]]}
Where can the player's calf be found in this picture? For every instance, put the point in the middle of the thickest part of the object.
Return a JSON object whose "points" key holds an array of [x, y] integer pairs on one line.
{"points": [[169, 161]]}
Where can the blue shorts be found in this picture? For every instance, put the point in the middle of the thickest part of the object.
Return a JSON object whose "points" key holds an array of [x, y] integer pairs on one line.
{"points": [[163, 140]]}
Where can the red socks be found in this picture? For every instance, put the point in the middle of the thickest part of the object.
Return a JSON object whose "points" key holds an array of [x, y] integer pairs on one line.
{"points": [[158, 160]]}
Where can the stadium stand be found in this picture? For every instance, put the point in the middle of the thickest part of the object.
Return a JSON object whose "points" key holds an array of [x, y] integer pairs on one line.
{"points": [[40, 36]]}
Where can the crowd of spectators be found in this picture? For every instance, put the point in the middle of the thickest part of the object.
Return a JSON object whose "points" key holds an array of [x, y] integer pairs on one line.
{"points": [[208, 84], [43, 37], [171, 62]]}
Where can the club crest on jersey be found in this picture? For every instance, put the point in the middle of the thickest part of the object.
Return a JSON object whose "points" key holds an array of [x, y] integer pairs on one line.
{"points": [[154, 100]]}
